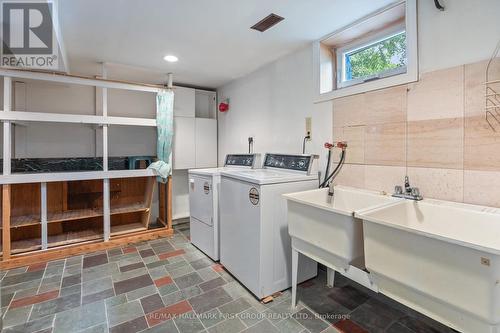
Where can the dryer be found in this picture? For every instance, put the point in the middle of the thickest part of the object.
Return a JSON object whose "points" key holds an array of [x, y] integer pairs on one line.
{"points": [[255, 246], [204, 201]]}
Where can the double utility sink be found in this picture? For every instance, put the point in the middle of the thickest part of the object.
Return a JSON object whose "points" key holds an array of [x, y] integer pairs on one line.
{"points": [[437, 257]]}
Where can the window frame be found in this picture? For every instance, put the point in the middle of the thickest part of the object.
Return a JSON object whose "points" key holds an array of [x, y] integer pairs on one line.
{"points": [[324, 73], [366, 42]]}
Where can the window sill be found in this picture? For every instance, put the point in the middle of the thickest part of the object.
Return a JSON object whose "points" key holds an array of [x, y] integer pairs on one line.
{"points": [[368, 86]]}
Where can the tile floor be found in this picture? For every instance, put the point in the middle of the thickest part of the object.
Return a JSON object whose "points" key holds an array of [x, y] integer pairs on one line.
{"points": [[167, 285]]}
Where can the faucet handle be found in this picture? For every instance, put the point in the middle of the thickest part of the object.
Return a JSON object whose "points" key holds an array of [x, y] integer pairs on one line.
{"points": [[398, 189], [415, 192]]}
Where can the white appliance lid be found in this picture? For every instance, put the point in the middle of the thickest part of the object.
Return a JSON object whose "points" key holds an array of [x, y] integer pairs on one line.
{"points": [[267, 176]]}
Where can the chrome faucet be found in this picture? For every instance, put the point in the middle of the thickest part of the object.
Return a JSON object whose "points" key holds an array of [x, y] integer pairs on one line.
{"points": [[412, 193], [331, 192]]}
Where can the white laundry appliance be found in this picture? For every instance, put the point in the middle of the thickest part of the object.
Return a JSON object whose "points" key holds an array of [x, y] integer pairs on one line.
{"points": [[204, 201], [255, 245]]}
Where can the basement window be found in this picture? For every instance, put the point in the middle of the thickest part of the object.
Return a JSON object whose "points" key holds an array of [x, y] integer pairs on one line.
{"points": [[370, 60], [374, 52]]}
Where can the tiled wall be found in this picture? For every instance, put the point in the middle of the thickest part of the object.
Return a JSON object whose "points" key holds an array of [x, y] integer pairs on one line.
{"points": [[434, 130]]}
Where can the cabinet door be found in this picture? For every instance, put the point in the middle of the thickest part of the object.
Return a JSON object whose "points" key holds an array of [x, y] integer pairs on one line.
{"points": [[206, 143], [184, 143], [184, 102]]}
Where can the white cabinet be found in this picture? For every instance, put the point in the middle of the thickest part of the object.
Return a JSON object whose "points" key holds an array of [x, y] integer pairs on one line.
{"points": [[184, 102], [184, 143], [195, 129], [206, 142]]}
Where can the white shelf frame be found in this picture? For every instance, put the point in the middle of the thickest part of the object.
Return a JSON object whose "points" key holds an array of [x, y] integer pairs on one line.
{"points": [[7, 117]]}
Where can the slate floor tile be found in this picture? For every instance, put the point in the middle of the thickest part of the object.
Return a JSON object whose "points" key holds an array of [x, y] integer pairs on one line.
{"points": [[289, 325], [147, 253], [56, 305], [168, 313], [211, 318], [263, 326], [102, 295], [375, 315], [101, 328], [188, 323], [209, 300], [398, 328], [95, 286], [201, 263], [132, 284], [17, 316], [151, 303], [235, 307], [31, 326], [217, 282], [95, 260], [348, 326], [141, 292], [131, 267], [168, 289], [132, 326], [164, 327], [188, 280], [22, 277], [348, 296], [230, 325], [307, 319], [124, 312], [80, 318], [39, 298]]}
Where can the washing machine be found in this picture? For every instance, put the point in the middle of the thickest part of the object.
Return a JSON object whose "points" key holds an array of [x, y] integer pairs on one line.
{"points": [[204, 201], [255, 246]]}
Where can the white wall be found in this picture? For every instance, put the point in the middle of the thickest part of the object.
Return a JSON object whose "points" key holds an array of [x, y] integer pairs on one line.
{"points": [[271, 105], [465, 32]]}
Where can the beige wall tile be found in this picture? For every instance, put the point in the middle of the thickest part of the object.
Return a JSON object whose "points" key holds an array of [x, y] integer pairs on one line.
{"points": [[482, 145], [475, 90], [384, 178], [349, 111], [385, 144], [482, 188], [444, 184], [355, 137], [338, 135], [386, 105], [351, 175], [437, 95], [436, 143]]}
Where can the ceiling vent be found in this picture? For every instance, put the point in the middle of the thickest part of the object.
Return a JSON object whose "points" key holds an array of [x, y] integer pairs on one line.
{"points": [[267, 22]]}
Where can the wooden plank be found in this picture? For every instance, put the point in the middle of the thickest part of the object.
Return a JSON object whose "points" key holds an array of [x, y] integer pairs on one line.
{"points": [[162, 208], [54, 254], [106, 209], [6, 222], [43, 214], [169, 203], [127, 228], [148, 200]]}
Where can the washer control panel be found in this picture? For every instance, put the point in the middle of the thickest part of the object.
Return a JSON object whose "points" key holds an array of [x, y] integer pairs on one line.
{"points": [[290, 162], [240, 160]]}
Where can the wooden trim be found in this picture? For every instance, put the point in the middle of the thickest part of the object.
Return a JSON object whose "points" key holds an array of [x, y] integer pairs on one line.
{"points": [[169, 203], [6, 222], [148, 200], [70, 250]]}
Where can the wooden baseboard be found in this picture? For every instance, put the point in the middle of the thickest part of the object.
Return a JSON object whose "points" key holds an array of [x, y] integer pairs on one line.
{"points": [[78, 249]]}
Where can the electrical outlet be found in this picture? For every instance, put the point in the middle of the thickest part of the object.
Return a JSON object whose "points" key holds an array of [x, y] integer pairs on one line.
{"points": [[309, 126]]}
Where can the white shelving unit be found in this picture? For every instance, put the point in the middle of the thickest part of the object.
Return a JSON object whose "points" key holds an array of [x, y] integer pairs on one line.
{"points": [[8, 116]]}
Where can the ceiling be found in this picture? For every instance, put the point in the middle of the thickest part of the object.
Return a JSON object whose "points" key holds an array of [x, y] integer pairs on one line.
{"points": [[211, 37]]}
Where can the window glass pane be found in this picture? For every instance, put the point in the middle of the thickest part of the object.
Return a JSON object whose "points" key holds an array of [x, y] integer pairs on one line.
{"points": [[375, 58]]}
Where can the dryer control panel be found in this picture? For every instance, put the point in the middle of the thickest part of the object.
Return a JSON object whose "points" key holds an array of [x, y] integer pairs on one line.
{"points": [[290, 162], [248, 160]]}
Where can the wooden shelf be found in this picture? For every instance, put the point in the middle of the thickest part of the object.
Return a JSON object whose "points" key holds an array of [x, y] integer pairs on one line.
{"points": [[24, 220], [74, 237], [76, 214], [26, 245], [127, 228]]}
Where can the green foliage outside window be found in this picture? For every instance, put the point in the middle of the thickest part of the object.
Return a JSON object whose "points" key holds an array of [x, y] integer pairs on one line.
{"points": [[385, 55]]}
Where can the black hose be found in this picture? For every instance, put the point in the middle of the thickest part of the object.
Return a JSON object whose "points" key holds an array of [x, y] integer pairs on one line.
{"points": [[327, 170], [337, 169]]}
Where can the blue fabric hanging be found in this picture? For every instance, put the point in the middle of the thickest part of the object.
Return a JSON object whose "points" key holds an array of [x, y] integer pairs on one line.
{"points": [[165, 132]]}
